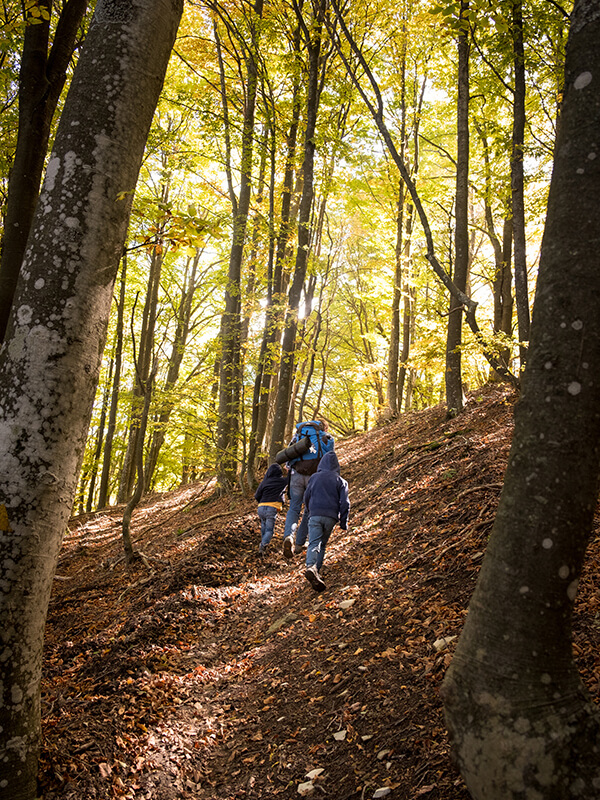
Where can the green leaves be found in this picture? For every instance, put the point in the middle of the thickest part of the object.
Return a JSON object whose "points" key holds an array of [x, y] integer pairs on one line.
{"points": [[446, 10]]}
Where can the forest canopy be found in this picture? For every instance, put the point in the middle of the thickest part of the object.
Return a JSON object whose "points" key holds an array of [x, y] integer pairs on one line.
{"points": [[276, 263]]}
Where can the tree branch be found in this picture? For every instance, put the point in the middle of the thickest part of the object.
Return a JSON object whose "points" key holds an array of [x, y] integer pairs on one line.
{"points": [[468, 303]]}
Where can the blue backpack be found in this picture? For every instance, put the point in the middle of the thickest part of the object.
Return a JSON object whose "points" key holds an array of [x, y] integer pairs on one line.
{"points": [[320, 443]]}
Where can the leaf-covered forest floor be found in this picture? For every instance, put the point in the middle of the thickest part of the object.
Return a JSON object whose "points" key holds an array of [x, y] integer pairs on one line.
{"points": [[206, 673]]}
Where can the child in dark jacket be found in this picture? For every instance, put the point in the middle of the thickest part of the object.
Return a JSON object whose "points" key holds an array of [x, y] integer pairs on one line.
{"points": [[269, 495], [326, 501]]}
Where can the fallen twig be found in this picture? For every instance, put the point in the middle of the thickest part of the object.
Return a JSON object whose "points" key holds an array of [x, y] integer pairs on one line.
{"points": [[209, 519], [479, 488]]}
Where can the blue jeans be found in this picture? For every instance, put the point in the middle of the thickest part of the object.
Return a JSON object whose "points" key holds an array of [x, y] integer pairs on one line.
{"points": [[298, 484], [319, 531], [268, 515]]}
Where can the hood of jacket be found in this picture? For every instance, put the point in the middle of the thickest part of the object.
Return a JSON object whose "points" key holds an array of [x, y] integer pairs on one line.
{"points": [[329, 462], [274, 471]]}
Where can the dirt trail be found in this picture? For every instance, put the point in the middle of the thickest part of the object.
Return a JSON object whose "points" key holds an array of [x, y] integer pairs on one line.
{"points": [[213, 675]]}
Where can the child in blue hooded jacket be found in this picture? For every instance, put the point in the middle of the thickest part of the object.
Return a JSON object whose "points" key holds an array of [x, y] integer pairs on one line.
{"points": [[327, 503], [269, 495]]}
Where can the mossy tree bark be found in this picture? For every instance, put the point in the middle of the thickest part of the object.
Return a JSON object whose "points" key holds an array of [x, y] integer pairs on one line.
{"points": [[44, 63], [50, 359], [521, 723]]}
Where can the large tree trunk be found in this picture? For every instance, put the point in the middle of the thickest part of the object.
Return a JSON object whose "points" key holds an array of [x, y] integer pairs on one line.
{"points": [[50, 360], [454, 390], [41, 81], [521, 723]]}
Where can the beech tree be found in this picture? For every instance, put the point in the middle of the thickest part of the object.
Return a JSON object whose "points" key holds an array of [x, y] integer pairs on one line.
{"points": [[217, 158], [275, 301], [316, 55], [454, 389], [370, 91], [50, 360], [230, 378], [143, 367], [116, 383], [520, 720], [517, 178], [410, 97], [44, 63]]}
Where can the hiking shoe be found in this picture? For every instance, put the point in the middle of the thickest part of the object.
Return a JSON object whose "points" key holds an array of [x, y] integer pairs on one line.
{"points": [[312, 576], [288, 547], [261, 550]]}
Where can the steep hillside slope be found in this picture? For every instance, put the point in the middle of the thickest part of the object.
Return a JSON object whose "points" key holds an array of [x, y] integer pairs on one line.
{"points": [[205, 673]]}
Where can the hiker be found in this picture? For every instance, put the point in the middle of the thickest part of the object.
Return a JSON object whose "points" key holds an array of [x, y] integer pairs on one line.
{"points": [[310, 442], [326, 502], [270, 495]]}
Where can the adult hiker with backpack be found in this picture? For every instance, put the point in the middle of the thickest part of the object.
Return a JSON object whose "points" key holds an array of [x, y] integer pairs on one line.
{"points": [[308, 445]]}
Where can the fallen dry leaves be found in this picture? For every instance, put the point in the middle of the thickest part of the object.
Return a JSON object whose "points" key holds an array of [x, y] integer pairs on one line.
{"points": [[212, 675]]}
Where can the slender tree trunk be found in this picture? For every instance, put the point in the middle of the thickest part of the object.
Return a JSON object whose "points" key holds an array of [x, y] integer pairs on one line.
{"points": [[188, 471], [503, 297], [286, 372], [143, 364], [99, 439], [408, 291], [138, 459], [521, 722], [103, 493], [55, 339], [408, 306], [318, 228], [230, 371], [246, 467], [394, 349], [311, 364], [184, 315], [502, 284], [518, 183], [268, 357], [505, 320], [454, 389], [41, 81], [502, 280], [377, 109]]}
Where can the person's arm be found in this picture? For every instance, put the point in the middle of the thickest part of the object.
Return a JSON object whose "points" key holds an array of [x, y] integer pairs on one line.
{"points": [[306, 498], [344, 504], [283, 490]]}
